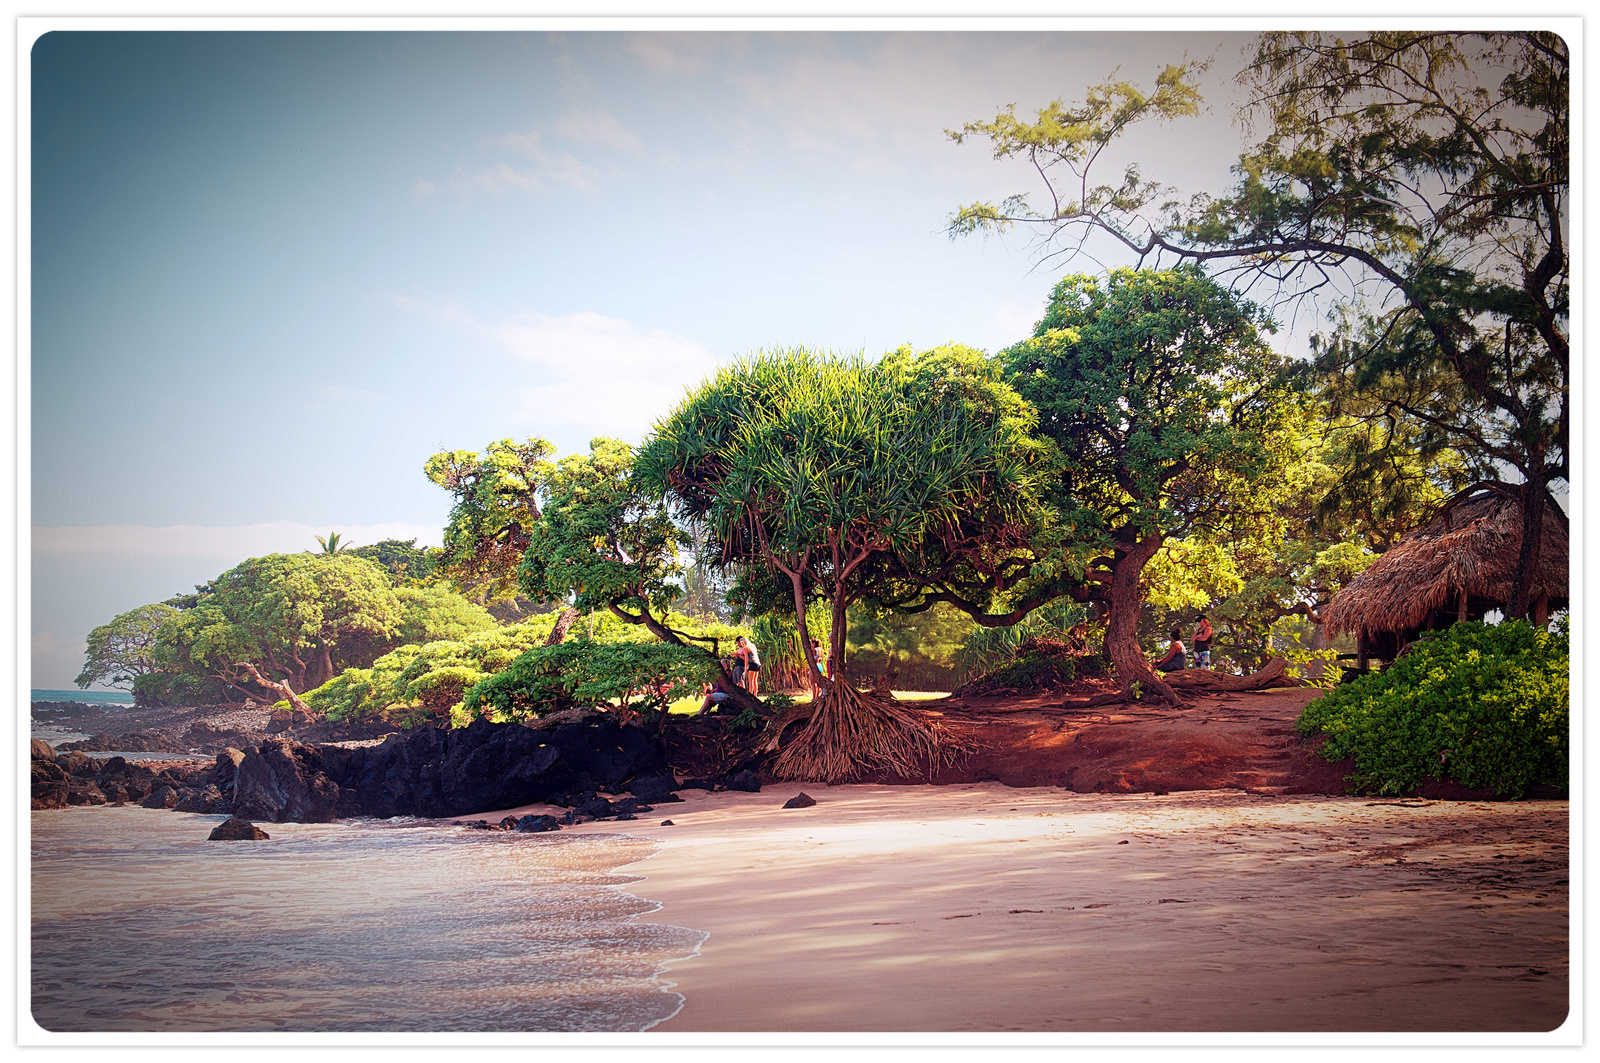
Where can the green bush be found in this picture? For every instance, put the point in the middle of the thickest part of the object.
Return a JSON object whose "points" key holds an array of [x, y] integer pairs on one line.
{"points": [[580, 672], [1480, 705]]}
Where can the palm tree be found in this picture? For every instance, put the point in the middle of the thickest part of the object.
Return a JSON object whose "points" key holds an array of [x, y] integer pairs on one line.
{"points": [[330, 545]]}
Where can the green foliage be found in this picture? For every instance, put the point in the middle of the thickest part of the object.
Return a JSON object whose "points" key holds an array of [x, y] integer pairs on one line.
{"points": [[984, 648], [295, 619], [1480, 705], [841, 474], [496, 506], [120, 652], [406, 563], [599, 542], [1318, 667], [922, 651], [332, 544], [417, 684], [431, 613], [1421, 180], [420, 684], [581, 672]]}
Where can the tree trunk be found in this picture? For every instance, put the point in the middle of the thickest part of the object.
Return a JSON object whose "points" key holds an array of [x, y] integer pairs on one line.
{"points": [[564, 621], [1533, 503], [281, 689], [1122, 626]]}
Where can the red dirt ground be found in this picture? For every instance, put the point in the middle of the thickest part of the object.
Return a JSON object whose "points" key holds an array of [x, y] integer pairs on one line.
{"points": [[1220, 741]]}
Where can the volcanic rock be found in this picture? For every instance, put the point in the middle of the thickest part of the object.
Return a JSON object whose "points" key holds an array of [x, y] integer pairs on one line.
{"points": [[800, 800], [165, 797], [236, 829], [283, 781]]}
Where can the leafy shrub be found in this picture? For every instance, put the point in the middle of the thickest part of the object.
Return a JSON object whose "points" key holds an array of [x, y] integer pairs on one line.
{"points": [[420, 684], [1480, 705], [583, 672]]}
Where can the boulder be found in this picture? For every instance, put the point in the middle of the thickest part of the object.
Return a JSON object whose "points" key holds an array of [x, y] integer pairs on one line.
{"points": [[76, 763], [165, 797], [537, 824], [40, 748], [654, 789], [746, 781], [85, 793], [49, 784], [207, 801], [283, 781], [800, 800], [137, 781], [235, 829]]}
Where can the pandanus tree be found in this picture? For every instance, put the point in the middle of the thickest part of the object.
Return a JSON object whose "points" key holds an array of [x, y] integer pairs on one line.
{"points": [[1168, 409], [815, 467]]}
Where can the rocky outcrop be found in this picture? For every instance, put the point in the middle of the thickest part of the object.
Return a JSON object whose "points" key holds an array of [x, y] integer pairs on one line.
{"points": [[50, 781], [140, 741], [430, 772], [442, 773], [283, 781]]}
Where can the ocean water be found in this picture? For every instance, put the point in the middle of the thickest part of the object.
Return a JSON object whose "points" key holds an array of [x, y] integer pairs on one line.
{"points": [[86, 697], [142, 924]]}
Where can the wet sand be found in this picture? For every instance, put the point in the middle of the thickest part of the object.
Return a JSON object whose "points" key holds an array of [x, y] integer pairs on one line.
{"points": [[984, 908]]}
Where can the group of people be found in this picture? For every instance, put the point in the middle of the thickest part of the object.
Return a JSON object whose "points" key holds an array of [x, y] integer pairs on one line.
{"points": [[745, 668], [1177, 657]]}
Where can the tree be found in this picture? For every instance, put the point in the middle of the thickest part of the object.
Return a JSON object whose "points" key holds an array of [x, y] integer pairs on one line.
{"points": [[1166, 404], [1422, 175], [280, 623], [332, 544], [603, 541], [406, 563], [496, 505], [119, 652], [815, 467]]}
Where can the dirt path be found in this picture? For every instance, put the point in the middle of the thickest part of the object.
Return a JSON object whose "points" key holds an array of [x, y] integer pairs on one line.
{"points": [[1225, 741]]}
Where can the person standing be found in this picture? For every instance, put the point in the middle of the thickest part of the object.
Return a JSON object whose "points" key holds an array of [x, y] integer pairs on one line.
{"points": [[811, 675], [1202, 643], [752, 665]]}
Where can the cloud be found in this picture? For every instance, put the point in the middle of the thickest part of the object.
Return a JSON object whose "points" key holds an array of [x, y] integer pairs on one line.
{"points": [[685, 54], [423, 188], [234, 543], [601, 371], [599, 126], [605, 375]]}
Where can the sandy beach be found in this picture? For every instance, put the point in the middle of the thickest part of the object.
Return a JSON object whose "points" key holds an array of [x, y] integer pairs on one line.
{"points": [[985, 908]]}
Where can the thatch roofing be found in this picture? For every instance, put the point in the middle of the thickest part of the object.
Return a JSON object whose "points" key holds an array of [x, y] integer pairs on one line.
{"points": [[1472, 546]]}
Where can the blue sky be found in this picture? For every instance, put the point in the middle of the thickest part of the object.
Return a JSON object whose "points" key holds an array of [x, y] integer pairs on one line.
{"points": [[273, 272]]}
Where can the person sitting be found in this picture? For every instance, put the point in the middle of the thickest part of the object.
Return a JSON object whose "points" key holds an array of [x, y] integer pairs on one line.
{"points": [[1176, 659], [716, 694]]}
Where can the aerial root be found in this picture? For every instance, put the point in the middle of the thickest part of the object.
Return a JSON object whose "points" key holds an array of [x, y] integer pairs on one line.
{"points": [[853, 734]]}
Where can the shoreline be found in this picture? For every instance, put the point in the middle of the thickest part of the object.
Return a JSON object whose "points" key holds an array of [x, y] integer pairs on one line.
{"points": [[977, 907]]}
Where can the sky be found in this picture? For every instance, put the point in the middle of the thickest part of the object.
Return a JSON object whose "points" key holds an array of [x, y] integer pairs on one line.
{"points": [[272, 272]]}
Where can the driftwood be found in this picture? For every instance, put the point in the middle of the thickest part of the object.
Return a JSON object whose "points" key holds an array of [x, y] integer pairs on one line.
{"points": [[1192, 681], [1203, 679]]}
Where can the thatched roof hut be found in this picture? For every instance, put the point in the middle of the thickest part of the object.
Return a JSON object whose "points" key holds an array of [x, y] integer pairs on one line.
{"points": [[1457, 566]]}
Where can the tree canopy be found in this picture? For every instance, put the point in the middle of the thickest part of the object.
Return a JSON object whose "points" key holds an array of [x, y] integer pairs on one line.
{"points": [[119, 652], [814, 467], [1167, 407], [1421, 177]]}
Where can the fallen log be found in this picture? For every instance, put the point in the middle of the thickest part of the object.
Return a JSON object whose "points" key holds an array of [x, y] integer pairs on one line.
{"points": [[1203, 679]]}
